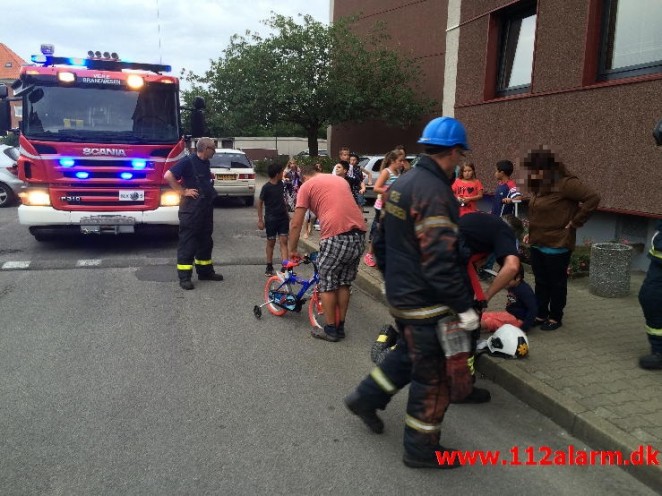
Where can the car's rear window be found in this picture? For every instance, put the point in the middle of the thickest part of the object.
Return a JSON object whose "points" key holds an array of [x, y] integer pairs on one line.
{"points": [[230, 161], [12, 153]]}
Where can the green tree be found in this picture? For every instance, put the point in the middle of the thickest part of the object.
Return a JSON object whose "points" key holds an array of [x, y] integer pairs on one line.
{"points": [[308, 75]]}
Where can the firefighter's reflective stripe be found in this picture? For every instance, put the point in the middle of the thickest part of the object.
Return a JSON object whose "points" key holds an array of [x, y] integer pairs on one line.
{"points": [[184, 267], [433, 223], [421, 426], [470, 362], [655, 253], [654, 332], [419, 313], [382, 338], [203, 262], [382, 381]]}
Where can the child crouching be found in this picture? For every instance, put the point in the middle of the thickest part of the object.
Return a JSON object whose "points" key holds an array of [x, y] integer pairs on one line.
{"points": [[521, 307]]}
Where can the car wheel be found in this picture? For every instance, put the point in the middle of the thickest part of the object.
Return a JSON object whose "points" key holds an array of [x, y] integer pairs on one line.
{"points": [[6, 195], [250, 201]]}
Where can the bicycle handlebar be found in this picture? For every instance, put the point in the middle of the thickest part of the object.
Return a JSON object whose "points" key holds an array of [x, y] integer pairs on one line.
{"points": [[296, 261]]}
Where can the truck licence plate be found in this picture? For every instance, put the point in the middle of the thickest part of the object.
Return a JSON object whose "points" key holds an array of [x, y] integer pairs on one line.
{"points": [[132, 195], [107, 220], [226, 177]]}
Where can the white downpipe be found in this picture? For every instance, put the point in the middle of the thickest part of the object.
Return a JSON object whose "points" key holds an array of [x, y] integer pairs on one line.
{"points": [[451, 58]]}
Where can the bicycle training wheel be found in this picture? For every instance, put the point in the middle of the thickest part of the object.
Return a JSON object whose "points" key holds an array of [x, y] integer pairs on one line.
{"points": [[273, 283], [316, 312]]}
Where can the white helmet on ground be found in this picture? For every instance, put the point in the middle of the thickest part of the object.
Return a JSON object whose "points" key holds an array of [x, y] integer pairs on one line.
{"points": [[509, 341]]}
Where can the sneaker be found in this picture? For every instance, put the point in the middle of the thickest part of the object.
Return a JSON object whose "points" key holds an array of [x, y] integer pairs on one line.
{"points": [[433, 461], [210, 277], [367, 415], [269, 271], [317, 227], [186, 285], [651, 362], [369, 260], [327, 334], [477, 395], [340, 330], [549, 325]]}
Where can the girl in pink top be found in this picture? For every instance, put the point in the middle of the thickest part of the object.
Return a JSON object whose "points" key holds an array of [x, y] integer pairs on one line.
{"points": [[467, 189], [393, 163]]}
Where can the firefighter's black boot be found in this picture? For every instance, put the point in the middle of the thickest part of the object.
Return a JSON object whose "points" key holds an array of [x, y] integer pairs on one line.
{"points": [[185, 278], [651, 362], [367, 414]]}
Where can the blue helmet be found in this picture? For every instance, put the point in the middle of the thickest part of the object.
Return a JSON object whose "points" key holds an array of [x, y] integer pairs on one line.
{"points": [[444, 131]]}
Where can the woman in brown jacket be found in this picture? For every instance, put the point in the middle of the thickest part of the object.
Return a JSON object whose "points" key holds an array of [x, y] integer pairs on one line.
{"points": [[559, 205]]}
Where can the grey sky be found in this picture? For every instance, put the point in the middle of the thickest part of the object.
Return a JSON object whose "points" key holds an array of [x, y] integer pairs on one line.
{"points": [[192, 31]]}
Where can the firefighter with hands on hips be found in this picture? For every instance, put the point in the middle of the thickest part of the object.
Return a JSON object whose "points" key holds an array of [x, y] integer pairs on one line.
{"points": [[417, 251], [650, 294], [196, 214]]}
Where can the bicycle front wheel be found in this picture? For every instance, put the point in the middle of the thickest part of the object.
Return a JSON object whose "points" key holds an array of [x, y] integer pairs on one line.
{"points": [[273, 283]]}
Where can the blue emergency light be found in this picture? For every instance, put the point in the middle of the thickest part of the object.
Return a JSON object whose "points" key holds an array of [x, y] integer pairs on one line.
{"points": [[138, 163], [67, 162], [126, 175], [82, 175]]}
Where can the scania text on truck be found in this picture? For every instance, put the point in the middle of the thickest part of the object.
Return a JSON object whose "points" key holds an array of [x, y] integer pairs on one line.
{"points": [[96, 138]]}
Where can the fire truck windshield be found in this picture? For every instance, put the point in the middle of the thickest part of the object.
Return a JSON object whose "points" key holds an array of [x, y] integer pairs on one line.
{"points": [[86, 114]]}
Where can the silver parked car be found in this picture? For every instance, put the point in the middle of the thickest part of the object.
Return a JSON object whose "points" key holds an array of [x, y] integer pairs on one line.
{"points": [[372, 164], [234, 174], [10, 184]]}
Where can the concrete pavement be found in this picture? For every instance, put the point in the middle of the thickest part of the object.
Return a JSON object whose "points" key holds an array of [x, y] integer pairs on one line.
{"points": [[585, 375]]}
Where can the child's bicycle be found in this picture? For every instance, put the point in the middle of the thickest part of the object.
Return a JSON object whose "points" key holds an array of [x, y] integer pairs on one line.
{"points": [[281, 295]]}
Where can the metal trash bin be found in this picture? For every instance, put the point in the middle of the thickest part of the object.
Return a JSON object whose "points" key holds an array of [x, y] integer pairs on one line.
{"points": [[609, 271]]}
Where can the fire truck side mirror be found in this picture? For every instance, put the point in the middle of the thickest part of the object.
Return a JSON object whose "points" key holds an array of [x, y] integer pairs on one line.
{"points": [[5, 116]]}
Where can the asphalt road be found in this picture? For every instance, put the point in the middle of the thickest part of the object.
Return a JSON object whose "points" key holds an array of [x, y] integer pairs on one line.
{"points": [[115, 381]]}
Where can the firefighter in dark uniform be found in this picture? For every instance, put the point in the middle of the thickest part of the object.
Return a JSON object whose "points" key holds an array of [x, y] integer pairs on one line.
{"points": [[650, 298], [196, 214], [650, 294], [417, 251]]}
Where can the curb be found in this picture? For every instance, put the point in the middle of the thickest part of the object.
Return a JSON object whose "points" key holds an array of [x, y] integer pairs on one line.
{"points": [[576, 419], [580, 422]]}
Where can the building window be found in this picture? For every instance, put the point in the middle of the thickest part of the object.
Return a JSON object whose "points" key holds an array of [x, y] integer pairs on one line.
{"points": [[18, 111], [8, 64], [631, 43], [517, 41]]}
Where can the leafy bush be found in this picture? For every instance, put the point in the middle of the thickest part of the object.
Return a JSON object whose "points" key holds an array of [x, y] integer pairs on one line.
{"points": [[9, 140], [262, 165], [580, 261]]}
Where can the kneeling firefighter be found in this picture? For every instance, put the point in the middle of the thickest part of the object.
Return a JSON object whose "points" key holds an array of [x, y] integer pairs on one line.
{"points": [[196, 214]]}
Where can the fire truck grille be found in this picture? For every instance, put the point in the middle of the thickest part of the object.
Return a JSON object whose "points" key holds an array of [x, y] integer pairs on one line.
{"points": [[80, 199]]}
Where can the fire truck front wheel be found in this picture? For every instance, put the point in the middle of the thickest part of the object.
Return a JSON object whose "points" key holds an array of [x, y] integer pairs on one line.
{"points": [[41, 234]]}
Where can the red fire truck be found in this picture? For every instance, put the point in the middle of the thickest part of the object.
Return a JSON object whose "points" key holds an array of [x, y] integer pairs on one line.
{"points": [[96, 138]]}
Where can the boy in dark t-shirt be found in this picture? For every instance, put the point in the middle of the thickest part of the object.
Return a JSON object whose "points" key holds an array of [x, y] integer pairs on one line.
{"points": [[276, 220], [521, 307]]}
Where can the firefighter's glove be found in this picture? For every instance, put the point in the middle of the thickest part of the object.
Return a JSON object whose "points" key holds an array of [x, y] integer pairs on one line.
{"points": [[469, 320]]}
